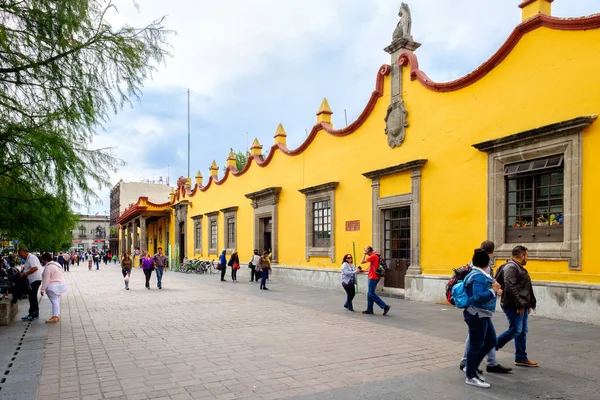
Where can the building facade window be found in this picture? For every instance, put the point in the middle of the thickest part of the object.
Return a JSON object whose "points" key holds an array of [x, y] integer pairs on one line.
{"points": [[534, 181], [213, 232], [197, 234], [535, 199], [320, 213], [321, 223], [230, 228]]}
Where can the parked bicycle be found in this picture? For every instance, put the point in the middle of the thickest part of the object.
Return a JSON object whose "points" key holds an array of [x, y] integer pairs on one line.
{"points": [[207, 267]]}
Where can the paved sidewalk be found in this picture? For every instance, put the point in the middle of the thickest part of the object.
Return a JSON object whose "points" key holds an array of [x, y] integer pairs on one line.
{"points": [[199, 338]]}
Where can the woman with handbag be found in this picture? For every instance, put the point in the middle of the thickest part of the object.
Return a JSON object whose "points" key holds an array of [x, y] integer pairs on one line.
{"points": [[234, 263], [254, 268], [348, 281], [265, 268]]}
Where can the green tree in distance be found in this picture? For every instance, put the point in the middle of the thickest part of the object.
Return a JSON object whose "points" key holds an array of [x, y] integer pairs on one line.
{"points": [[64, 70]]}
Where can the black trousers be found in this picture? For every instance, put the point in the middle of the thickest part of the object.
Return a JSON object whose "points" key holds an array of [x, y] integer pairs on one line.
{"points": [[148, 273], [233, 274], [350, 293], [223, 271], [264, 277], [34, 307]]}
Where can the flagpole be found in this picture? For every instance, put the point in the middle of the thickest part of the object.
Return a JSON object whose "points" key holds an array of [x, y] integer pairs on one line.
{"points": [[188, 121]]}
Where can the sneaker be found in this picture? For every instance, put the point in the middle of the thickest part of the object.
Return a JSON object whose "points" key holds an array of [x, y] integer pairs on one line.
{"points": [[367, 312], [350, 309], [27, 318], [462, 365], [386, 309], [526, 363], [499, 369], [478, 371], [126, 288], [160, 287], [345, 305], [477, 382], [265, 288]]}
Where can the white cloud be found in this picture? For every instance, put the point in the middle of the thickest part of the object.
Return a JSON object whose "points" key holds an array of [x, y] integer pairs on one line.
{"points": [[223, 46]]}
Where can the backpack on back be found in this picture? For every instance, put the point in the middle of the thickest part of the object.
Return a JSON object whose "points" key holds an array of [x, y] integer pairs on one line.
{"points": [[459, 276], [382, 266]]}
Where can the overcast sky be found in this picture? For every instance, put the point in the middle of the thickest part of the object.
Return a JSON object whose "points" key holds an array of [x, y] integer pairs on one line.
{"points": [[251, 64]]}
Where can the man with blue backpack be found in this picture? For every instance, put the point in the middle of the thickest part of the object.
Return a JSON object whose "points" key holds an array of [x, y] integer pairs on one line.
{"points": [[477, 294]]}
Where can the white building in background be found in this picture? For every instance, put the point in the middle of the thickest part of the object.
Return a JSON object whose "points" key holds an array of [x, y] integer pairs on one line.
{"points": [[91, 231], [123, 194]]}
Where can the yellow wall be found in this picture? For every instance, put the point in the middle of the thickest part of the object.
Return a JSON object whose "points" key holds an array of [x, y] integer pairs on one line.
{"points": [[547, 78]]}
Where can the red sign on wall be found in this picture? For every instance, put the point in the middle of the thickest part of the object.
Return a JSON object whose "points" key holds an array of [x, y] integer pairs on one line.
{"points": [[353, 225], [76, 241]]}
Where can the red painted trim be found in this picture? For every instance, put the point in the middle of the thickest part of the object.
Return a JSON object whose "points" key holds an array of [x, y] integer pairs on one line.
{"points": [[525, 3], [377, 93], [541, 20], [136, 209]]}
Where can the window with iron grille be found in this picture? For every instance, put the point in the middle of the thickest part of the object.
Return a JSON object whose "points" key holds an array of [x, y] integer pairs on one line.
{"points": [[231, 232], [197, 236], [397, 233], [321, 223], [535, 200], [213, 234]]}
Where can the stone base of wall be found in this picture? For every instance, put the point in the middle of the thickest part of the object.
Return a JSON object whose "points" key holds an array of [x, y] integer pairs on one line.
{"points": [[316, 277], [8, 310], [564, 301]]}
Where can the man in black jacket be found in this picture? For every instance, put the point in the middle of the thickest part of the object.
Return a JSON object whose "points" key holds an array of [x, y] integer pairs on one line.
{"points": [[517, 303]]}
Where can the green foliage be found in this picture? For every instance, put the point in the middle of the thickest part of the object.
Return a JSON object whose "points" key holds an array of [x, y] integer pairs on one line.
{"points": [[241, 159], [64, 70]]}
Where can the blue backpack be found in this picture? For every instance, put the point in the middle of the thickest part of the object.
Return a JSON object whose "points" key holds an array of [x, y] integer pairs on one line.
{"points": [[459, 293]]}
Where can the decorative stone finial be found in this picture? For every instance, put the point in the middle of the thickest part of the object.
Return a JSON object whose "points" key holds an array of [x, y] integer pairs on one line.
{"points": [[256, 149], [214, 170], [231, 161], [280, 135], [172, 195], [402, 38], [531, 8], [324, 113], [199, 178], [188, 182]]}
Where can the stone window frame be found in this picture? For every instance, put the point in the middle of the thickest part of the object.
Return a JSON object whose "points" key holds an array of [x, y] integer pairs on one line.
{"points": [[228, 213], [312, 195], [560, 138], [213, 217], [198, 235], [265, 204], [412, 200]]}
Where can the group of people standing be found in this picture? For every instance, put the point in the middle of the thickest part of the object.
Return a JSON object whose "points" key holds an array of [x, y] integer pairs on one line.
{"points": [[158, 263], [260, 267], [47, 276]]}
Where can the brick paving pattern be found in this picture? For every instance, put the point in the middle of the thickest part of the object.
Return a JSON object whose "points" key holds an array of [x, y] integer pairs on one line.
{"points": [[202, 339]]}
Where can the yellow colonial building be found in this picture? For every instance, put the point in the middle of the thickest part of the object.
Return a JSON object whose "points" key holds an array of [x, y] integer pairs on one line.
{"points": [[504, 153]]}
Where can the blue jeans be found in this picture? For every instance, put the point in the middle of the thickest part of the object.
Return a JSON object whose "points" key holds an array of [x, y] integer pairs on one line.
{"points": [[517, 329], [482, 338], [491, 356], [372, 297], [159, 274], [126, 271], [265, 276], [97, 264]]}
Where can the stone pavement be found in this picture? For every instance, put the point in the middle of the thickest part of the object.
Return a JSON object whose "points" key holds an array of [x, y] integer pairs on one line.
{"points": [[199, 338]]}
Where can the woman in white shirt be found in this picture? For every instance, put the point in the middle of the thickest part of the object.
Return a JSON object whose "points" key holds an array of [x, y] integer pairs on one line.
{"points": [[349, 280]]}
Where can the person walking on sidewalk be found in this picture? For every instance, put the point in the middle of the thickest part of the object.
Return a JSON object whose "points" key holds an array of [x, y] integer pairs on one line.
{"points": [[234, 263], [255, 268], [265, 267], [126, 264], [61, 260], [160, 262], [32, 271], [53, 284], [373, 259], [223, 265], [482, 291], [349, 281], [517, 303], [492, 364], [147, 266]]}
